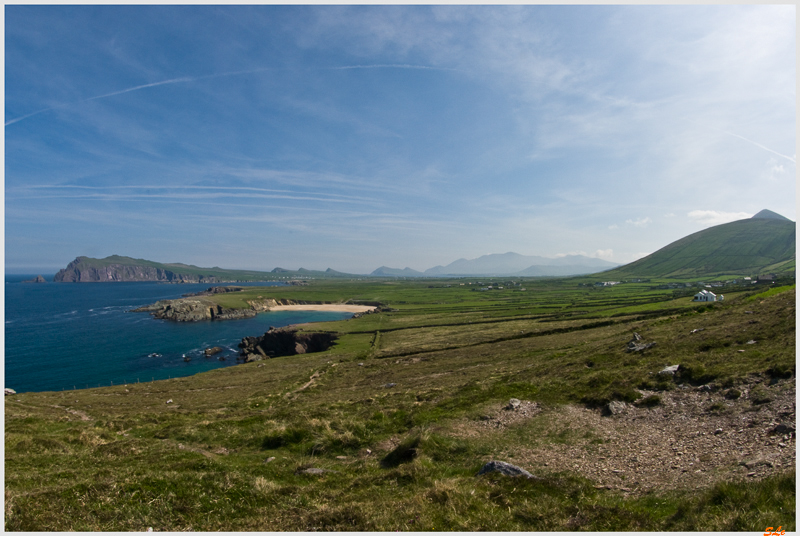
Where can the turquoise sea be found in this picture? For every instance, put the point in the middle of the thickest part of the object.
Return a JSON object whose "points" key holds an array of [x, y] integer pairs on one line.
{"points": [[78, 335]]}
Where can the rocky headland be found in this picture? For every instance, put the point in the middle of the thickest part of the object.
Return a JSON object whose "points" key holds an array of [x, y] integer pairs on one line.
{"points": [[198, 308], [115, 268]]}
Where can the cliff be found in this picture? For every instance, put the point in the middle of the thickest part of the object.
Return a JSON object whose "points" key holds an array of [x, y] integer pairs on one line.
{"points": [[284, 341], [116, 268], [119, 268]]}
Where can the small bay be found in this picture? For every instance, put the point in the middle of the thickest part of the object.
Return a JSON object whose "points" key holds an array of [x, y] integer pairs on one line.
{"points": [[78, 335]]}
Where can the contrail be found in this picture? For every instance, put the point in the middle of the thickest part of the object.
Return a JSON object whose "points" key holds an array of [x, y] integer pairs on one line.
{"points": [[218, 75], [758, 145], [136, 88]]}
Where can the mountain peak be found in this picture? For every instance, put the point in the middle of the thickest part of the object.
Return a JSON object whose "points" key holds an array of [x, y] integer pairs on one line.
{"points": [[769, 215]]}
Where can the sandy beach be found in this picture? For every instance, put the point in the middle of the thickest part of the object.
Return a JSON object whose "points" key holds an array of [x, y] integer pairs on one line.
{"points": [[342, 307]]}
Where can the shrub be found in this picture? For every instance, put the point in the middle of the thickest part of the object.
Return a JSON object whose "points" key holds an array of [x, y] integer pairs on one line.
{"points": [[759, 395], [695, 374], [405, 452], [288, 437], [732, 394], [782, 371], [649, 401]]}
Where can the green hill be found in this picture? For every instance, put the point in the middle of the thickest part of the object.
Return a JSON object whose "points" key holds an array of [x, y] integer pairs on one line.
{"points": [[763, 243]]}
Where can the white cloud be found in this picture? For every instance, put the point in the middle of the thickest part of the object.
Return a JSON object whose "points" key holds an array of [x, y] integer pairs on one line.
{"points": [[716, 217], [605, 254], [559, 255], [613, 226], [641, 222]]}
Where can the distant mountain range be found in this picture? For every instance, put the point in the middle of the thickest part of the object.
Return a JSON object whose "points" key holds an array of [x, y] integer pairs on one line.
{"points": [[762, 244], [507, 264]]}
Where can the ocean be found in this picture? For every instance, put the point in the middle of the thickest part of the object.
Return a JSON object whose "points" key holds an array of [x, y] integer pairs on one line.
{"points": [[78, 335]]}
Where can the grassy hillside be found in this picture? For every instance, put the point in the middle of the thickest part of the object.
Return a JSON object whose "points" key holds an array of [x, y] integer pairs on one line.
{"points": [[387, 430], [745, 247]]}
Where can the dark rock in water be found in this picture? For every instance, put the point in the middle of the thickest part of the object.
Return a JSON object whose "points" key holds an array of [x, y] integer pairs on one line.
{"points": [[281, 342], [505, 469], [212, 351], [37, 279]]}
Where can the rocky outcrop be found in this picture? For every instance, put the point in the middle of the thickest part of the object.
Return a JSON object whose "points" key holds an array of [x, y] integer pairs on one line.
{"points": [[196, 308], [636, 344], [193, 310], [284, 341], [37, 279], [210, 291]]}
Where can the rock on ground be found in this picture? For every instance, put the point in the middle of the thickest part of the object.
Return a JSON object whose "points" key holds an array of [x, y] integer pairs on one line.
{"points": [[504, 468]]}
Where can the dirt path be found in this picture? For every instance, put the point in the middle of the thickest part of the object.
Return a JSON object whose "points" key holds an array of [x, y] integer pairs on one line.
{"points": [[693, 438]]}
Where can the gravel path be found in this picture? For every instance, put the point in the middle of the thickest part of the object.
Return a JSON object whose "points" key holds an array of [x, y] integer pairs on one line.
{"points": [[693, 438]]}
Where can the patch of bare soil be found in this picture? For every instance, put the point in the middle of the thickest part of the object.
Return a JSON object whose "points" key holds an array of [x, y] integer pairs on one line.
{"points": [[83, 416], [693, 438]]}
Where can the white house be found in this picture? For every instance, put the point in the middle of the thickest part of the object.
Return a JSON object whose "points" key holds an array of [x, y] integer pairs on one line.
{"points": [[706, 296]]}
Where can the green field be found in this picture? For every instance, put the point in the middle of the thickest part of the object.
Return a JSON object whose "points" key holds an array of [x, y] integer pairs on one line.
{"points": [[399, 416]]}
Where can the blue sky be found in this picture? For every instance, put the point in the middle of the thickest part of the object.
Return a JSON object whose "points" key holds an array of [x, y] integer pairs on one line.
{"points": [[354, 137]]}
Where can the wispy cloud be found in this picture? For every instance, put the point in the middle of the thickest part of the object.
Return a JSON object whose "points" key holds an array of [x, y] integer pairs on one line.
{"points": [[394, 66], [181, 80], [177, 191], [639, 222], [716, 217]]}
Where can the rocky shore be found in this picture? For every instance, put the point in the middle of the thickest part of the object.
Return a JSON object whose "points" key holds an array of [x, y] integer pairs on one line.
{"points": [[282, 342], [195, 308]]}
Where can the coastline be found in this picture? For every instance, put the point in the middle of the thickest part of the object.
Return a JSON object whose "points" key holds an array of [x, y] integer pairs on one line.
{"points": [[333, 307]]}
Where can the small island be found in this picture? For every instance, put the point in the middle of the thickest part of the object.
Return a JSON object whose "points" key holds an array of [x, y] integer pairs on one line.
{"points": [[37, 279]]}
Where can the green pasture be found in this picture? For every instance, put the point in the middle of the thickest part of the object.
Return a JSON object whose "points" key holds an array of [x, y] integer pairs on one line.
{"points": [[230, 450]]}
